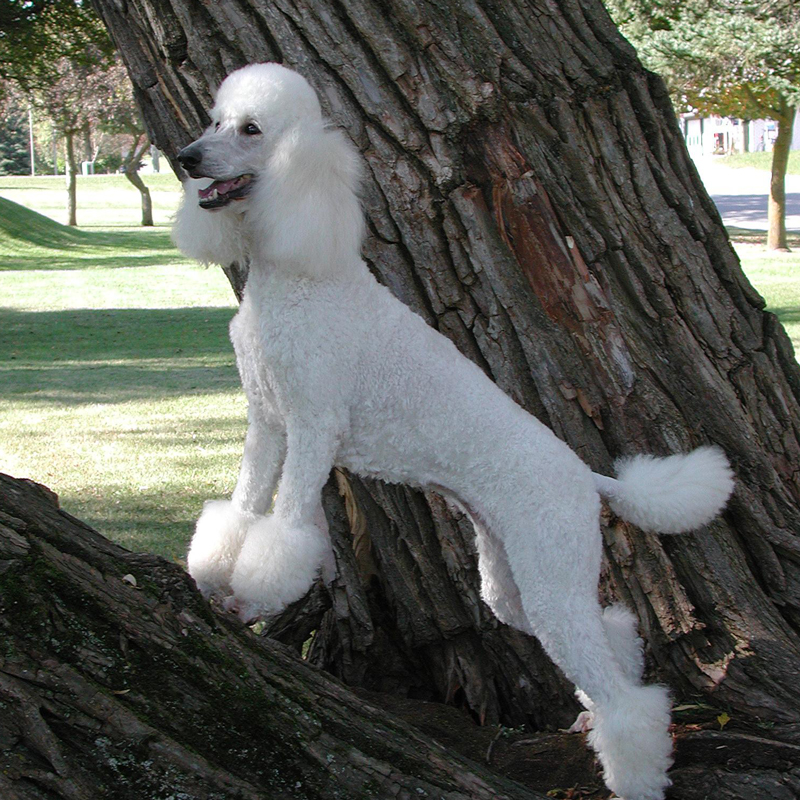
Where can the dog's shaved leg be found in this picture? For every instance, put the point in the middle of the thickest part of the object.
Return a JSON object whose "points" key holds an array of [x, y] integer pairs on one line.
{"points": [[310, 452], [264, 452], [599, 653]]}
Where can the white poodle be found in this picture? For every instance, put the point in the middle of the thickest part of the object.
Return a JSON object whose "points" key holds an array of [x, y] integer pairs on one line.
{"points": [[337, 371]]}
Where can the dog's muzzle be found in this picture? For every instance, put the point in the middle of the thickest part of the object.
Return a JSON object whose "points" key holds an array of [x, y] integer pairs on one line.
{"points": [[222, 191]]}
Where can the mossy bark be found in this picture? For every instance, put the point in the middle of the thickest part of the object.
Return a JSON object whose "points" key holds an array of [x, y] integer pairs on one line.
{"points": [[117, 680]]}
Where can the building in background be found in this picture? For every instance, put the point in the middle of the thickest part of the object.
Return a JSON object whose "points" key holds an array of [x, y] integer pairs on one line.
{"points": [[706, 136]]}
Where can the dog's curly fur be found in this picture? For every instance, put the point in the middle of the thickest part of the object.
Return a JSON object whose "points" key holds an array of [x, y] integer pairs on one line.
{"points": [[339, 372]]}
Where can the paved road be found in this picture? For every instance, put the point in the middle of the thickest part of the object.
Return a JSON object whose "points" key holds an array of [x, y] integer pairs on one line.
{"points": [[741, 195]]}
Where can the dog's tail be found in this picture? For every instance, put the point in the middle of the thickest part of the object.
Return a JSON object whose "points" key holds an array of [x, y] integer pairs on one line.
{"points": [[669, 495]]}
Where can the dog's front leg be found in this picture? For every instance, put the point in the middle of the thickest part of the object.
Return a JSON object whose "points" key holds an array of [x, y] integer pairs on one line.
{"points": [[264, 453], [283, 553], [221, 528]]}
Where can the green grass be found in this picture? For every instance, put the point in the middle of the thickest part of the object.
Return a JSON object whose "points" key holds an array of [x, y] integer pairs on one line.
{"points": [[760, 161], [777, 278], [119, 388]]}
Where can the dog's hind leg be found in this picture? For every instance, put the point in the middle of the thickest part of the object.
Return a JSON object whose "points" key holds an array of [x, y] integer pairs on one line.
{"points": [[628, 649], [554, 587]]}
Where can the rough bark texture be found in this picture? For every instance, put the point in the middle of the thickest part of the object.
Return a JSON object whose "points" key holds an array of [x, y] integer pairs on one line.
{"points": [[118, 681], [529, 193], [776, 209]]}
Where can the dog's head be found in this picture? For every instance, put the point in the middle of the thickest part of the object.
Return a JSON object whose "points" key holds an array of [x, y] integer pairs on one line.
{"points": [[281, 186], [255, 106]]}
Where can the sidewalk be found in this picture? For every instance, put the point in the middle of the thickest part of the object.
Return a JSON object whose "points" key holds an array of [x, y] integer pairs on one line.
{"points": [[741, 195]]}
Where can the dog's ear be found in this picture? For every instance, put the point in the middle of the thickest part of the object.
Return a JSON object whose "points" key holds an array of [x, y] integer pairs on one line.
{"points": [[306, 204], [207, 237]]}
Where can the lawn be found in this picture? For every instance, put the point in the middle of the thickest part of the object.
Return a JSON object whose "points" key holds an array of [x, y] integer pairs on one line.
{"points": [[760, 161], [777, 278], [104, 201], [118, 387]]}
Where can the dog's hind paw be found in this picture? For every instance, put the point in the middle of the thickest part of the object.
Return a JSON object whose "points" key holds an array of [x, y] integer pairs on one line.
{"points": [[583, 723], [248, 613]]}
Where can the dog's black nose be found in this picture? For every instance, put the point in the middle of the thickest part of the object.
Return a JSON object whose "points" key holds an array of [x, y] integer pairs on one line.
{"points": [[190, 157]]}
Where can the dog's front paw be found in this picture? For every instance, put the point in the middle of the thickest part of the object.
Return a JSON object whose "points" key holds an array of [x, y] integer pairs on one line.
{"points": [[217, 540], [277, 564]]}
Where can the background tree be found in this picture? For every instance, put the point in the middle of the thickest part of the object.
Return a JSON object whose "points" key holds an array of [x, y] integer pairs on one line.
{"points": [[50, 49], [115, 112], [735, 58], [68, 101], [37, 33], [530, 194]]}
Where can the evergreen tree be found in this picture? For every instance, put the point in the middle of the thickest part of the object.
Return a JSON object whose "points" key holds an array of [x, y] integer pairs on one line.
{"points": [[15, 157]]}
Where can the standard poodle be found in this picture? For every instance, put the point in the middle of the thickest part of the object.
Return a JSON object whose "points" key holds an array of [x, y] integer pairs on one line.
{"points": [[337, 371]]}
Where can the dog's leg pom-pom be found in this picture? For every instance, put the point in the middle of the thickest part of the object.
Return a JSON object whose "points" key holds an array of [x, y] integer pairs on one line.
{"points": [[630, 736], [277, 565], [215, 546]]}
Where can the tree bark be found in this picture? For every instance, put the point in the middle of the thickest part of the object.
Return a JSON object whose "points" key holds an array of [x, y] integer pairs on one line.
{"points": [[118, 681], [529, 193], [776, 209], [86, 143], [71, 170]]}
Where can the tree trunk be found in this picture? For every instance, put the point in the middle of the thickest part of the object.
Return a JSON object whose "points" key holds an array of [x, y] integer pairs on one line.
{"points": [[118, 681], [529, 193], [776, 210], [131, 169], [86, 142], [132, 174], [71, 170]]}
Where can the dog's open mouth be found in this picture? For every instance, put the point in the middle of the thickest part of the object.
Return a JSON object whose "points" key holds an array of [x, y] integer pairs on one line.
{"points": [[220, 193]]}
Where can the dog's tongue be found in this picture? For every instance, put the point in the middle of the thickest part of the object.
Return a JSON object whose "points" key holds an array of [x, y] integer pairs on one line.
{"points": [[221, 187]]}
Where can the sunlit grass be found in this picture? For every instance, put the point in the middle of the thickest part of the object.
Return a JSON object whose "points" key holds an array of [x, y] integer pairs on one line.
{"points": [[760, 161], [118, 387], [104, 201], [777, 278]]}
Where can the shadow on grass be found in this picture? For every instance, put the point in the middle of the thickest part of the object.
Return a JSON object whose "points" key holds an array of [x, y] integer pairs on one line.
{"points": [[752, 207], [144, 523], [153, 255], [755, 236], [141, 528], [90, 355], [786, 314]]}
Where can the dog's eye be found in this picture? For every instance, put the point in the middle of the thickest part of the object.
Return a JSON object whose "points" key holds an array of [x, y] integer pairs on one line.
{"points": [[216, 126], [251, 129]]}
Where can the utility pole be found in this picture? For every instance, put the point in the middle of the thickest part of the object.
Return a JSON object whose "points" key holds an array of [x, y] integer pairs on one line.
{"points": [[30, 129]]}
